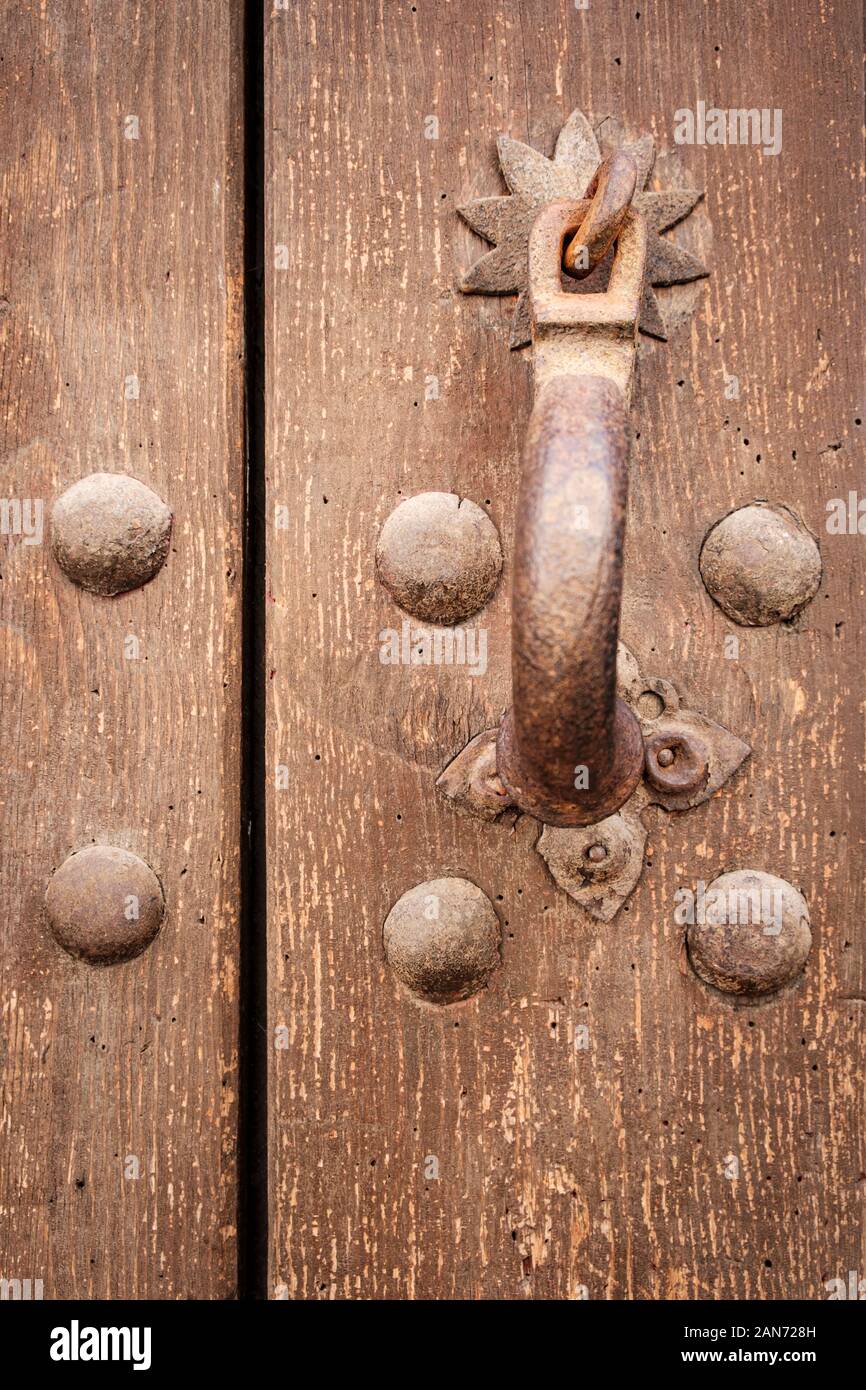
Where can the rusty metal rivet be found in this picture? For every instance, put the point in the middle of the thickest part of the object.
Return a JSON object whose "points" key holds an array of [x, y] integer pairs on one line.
{"points": [[760, 564], [104, 905], [442, 939], [751, 934], [110, 533], [676, 762], [439, 557], [583, 855]]}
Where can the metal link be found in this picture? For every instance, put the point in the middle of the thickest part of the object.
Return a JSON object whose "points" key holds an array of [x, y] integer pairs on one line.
{"points": [[611, 190]]}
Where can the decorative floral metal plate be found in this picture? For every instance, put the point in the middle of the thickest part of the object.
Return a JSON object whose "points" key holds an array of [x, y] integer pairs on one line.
{"points": [[599, 865], [535, 180]]}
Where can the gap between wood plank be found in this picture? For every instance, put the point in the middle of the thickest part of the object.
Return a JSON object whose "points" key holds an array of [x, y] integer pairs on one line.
{"points": [[253, 1136]]}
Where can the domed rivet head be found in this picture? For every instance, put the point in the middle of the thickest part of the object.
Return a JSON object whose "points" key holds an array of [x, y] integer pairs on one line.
{"points": [[761, 564], [676, 762], [439, 557], [104, 905], [751, 934], [442, 939], [596, 854], [110, 533]]}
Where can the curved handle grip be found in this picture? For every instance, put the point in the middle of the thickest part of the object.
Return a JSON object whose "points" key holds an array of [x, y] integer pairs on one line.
{"points": [[569, 751]]}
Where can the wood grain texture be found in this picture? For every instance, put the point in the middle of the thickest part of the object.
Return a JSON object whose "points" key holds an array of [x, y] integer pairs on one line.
{"points": [[563, 1172], [121, 257]]}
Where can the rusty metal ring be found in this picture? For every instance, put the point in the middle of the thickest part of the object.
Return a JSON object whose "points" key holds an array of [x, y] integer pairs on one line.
{"points": [[611, 190]]}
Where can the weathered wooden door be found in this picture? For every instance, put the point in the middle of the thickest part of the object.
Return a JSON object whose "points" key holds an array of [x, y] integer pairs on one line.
{"points": [[503, 1060], [122, 355], [597, 1121]]}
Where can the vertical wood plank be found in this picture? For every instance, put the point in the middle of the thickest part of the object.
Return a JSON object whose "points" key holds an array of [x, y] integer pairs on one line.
{"points": [[562, 1172], [121, 277]]}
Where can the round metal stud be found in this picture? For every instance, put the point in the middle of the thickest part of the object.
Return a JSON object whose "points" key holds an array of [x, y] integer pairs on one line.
{"points": [[442, 939], [439, 557], [104, 905], [110, 533], [760, 564], [751, 935]]}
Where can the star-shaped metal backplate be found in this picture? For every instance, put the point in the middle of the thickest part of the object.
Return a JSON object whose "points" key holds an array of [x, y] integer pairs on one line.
{"points": [[535, 180]]}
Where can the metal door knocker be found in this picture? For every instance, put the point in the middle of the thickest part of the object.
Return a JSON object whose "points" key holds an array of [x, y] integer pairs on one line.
{"points": [[589, 741]]}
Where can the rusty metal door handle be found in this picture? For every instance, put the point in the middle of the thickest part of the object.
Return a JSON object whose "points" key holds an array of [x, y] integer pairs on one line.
{"points": [[569, 751]]}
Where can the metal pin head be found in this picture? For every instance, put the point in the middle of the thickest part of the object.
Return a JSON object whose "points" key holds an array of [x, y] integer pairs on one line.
{"points": [[751, 934], [439, 557], [104, 905], [442, 939], [110, 533], [760, 564]]}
